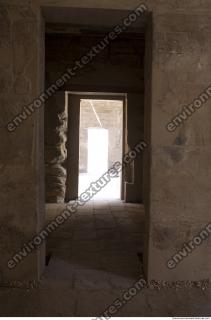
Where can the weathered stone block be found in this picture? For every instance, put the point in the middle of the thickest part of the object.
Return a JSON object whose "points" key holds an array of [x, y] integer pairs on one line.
{"points": [[5, 81], [22, 85]]}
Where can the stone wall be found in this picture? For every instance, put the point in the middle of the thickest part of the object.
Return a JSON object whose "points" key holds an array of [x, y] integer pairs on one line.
{"points": [[56, 117], [179, 193], [118, 67], [21, 156]]}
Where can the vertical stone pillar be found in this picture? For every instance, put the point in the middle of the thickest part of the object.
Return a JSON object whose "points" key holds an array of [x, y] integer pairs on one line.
{"points": [[21, 156], [179, 201], [73, 147], [135, 133], [55, 148]]}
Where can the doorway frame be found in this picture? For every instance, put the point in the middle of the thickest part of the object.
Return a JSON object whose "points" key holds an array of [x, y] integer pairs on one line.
{"points": [[73, 133]]}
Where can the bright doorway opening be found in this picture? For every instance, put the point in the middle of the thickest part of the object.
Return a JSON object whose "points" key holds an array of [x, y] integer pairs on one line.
{"points": [[97, 151], [100, 144]]}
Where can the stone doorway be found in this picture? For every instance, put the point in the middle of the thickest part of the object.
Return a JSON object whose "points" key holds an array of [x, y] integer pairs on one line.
{"points": [[88, 112]]}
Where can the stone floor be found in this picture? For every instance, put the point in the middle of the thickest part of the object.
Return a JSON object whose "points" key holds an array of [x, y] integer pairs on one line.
{"points": [[111, 191], [94, 258]]}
